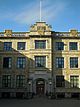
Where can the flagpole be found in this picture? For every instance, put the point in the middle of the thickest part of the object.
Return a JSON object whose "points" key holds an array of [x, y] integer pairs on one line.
{"points": [[40, 10]]}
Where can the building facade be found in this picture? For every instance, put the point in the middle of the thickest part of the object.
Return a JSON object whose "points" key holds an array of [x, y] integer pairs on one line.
{"points": [[40, 61]]}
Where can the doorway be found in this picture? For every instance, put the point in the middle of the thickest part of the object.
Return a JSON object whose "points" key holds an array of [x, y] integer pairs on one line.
{"points": [[40, 86]]}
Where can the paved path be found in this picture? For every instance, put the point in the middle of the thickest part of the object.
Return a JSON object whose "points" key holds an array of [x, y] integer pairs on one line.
{"points": [[39, 102]]}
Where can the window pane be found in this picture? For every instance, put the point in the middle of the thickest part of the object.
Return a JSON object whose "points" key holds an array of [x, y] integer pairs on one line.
{"points": [[40, 61], [7, 62], [59, 45], [73, 62], [74, 81], [21, 45], [20, 79], [8, 46], [73, 46], [6, 81], [59, 62], [40, 44], [21, 62], [60, 82]]}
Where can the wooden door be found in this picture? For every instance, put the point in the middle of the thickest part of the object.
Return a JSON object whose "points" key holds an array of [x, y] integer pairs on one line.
{"points": [[40, 87]]}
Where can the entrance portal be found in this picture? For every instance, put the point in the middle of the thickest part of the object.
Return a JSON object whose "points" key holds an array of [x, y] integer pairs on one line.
{"points": [[40, 86]]}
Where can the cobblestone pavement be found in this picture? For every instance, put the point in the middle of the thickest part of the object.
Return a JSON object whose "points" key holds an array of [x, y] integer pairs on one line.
{"points": [[39, 102]]}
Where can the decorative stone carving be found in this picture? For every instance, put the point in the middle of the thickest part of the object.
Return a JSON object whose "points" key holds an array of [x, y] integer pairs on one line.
{"points": [[73, 32], [8, 33]]}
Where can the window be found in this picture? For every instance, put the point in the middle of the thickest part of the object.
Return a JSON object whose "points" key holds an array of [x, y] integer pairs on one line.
{"points": [[7, 62], [73, 62], [21, 62], [40, 61], [40, 44], [21, 46], [60, 82], [74, 81], [59, 62], [73, 46], [6, 81], [20, 79], [7, 46], [59, 45]]}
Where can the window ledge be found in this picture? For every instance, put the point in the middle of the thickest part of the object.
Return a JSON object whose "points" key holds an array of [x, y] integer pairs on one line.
{"points": [[74, 68], [60, 68]]}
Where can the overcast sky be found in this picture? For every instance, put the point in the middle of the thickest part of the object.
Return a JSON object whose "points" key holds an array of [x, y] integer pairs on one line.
{"points": [[19, 15]]}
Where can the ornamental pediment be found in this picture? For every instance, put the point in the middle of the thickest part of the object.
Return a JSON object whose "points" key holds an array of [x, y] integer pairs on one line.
{"points": [[40, 28], [73, 32]]}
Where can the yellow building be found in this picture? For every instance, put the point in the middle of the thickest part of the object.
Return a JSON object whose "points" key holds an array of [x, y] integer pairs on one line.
{"points": [[40, 61]]}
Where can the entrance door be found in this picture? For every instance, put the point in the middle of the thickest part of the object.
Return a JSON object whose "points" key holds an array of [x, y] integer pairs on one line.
{"points": [[40, 87]]}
